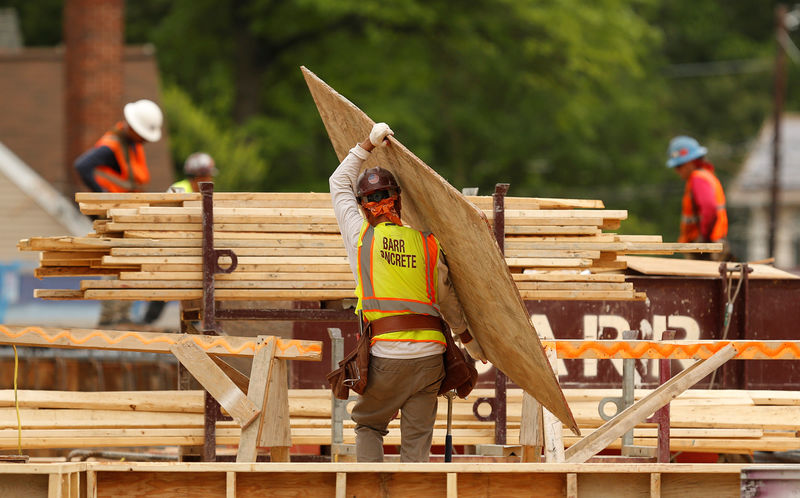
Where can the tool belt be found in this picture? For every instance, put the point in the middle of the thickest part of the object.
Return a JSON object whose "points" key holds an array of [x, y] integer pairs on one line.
{"points": [[460, 374], [396, 323]]}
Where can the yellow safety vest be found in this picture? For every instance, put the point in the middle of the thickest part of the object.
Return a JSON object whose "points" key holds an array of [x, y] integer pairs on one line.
{"points": [[186, 185], [398, 276]]}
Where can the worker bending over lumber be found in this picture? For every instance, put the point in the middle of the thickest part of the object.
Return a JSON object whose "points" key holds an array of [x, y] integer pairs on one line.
{"points": [[117, 163], [403, 290]]}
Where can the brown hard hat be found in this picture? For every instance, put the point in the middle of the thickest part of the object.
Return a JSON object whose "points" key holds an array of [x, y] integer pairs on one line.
{"points": [[374, 179]]}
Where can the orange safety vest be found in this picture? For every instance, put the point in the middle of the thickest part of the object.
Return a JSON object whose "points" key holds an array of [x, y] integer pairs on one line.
{"points": [[133, 173], [398, 276], [690, 216]]}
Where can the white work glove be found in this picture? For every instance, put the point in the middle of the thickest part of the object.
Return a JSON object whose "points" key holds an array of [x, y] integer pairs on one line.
{"points": [[379, 132], [474, 349]]}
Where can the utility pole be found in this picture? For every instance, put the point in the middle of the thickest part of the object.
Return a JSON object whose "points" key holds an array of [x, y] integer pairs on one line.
{"points": [[779, 92]]}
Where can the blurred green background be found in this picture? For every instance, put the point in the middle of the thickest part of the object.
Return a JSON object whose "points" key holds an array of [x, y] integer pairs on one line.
{"points": [[561, 98]]}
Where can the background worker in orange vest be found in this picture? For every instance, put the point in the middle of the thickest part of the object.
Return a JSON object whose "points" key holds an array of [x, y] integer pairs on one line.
{"points": [[403, 289], [117, 162], [703, 214]]}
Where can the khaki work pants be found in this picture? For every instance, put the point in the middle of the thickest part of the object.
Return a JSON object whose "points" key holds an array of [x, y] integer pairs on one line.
{"points": [[406, 385]]}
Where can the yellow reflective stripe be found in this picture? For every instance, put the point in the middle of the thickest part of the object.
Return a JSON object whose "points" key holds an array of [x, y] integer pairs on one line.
{"points": [[412, 336]]}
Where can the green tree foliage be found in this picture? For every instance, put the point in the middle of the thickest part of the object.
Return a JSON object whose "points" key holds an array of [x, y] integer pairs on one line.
{"points": [[239, 160], [560, 98]]}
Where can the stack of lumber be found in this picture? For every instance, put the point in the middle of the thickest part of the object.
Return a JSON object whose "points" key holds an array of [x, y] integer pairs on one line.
{"points": [[288, 247], [701, 420]]}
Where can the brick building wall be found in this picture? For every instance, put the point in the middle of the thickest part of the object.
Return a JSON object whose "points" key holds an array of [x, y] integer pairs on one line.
{"points": [[93, 76]]}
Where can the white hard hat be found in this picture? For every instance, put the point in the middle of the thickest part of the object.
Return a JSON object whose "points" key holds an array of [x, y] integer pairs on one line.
{"points": [[145, 117], [199, 164]]}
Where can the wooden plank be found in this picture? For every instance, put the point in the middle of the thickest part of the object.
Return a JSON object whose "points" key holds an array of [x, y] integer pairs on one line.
{"points": [[566, 277], [249, 251], [221, 294], [683, 350], [452, 485], [230, 484], [655, 485], [394, 479], [548, 262], [614, 428], [143, 401], [220, 227], [553, 230], [685, 267], [222, 284], [255, 260], [258, 393], [214, 380], [154, 342], [501, 325], [572, 485], [275, 429], [531, 431], [72, 271], [243, 276], [582, 295], [487, 202], [58, 294], [552, 427]]}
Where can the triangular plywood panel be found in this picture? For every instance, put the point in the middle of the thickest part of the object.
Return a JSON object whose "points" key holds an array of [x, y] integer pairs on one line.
{"points": [[496, 313]]}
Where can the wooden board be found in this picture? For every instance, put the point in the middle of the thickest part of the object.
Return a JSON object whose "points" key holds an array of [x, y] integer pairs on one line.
{"points": [[494, 308], [152, 342], [694, 268]]}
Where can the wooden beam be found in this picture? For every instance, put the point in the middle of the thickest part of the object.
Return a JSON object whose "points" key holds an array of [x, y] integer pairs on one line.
{"points": [[214, 380], [677, 350], [614, 428], [552, 426], [531, 429], [275, 428], [258, 394], [153, 342]]}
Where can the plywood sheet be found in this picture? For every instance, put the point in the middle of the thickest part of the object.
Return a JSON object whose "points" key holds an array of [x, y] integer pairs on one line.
{"points": [[493, 306], [693, 268]]}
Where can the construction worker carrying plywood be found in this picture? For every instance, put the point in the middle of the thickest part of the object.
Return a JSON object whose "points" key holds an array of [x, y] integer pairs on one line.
{"points": [[403, 292], [703, 214]]}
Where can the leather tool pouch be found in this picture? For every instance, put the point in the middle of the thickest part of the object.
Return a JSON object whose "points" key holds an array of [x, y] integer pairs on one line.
{"points": [[459, 373], [352, 371]]}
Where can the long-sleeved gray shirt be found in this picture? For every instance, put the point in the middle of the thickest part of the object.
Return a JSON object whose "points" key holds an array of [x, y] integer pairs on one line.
{"points": [[348, 215]]}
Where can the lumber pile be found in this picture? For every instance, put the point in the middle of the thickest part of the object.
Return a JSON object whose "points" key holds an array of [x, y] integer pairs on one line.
{"points": [[289, 248], [702, 420]]}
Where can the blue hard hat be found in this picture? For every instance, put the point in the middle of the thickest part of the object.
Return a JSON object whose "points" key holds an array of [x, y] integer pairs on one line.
{"points": [[683, 149]]}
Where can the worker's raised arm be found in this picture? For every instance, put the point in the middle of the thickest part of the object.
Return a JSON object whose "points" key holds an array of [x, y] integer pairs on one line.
{"points": [[343, 190]]}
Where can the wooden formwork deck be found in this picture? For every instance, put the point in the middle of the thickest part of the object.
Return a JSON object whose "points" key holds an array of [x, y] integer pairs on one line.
{"points": [[92, 479]]}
